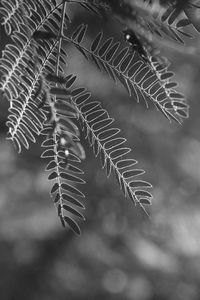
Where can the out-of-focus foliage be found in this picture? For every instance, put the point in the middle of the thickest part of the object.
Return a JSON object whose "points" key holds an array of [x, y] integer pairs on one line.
{"points": [[121, 253]]}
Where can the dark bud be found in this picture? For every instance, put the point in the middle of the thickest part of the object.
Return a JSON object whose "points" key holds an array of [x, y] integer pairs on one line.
{"points": [[135, 43]]}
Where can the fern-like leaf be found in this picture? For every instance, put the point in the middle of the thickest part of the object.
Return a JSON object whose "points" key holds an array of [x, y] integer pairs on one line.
{"points": [[63, 151], [109, 145], [141, 79], [14, 57], [172, 18]]}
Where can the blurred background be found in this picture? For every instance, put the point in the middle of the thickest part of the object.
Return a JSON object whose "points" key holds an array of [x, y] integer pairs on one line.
{"points": [[121, 254]]}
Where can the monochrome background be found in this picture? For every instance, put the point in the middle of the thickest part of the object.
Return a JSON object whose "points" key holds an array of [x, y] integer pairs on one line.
{"points": [[122, 254]]}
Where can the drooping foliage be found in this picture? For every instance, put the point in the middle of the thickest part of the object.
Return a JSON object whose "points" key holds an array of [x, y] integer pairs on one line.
{"points": [[44, 99]]}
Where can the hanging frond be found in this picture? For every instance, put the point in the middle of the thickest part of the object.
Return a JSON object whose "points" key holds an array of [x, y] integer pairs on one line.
{"points": [[25, 118], [141, 79], [24, 54], [62, 164], [23, 81], [63, 151], [106, 141]]}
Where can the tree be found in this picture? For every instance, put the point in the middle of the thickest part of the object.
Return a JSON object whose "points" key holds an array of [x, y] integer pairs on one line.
{"points": [[44, 102]]}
